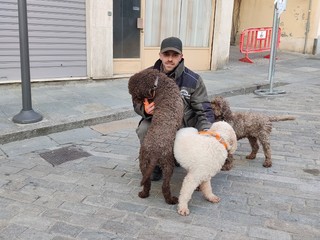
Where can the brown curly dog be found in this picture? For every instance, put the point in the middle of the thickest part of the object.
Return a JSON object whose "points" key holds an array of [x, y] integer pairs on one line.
{"points": [[254, 126], [157, 146]]}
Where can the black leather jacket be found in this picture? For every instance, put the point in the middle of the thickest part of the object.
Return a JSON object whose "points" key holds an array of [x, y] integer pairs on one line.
{"points": [[197, 108]]}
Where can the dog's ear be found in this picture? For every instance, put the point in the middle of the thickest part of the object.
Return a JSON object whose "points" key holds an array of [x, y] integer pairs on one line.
{"points": [[233, 144], [216, 104], [225, 106], [152, 91]]}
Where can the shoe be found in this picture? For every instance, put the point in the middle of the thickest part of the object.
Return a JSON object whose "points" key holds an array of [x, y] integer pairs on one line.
{"points": [[176, 163], [156, 174]]}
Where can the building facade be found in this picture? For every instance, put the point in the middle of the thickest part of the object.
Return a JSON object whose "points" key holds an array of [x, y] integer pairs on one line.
{"points": [[98, 39]]}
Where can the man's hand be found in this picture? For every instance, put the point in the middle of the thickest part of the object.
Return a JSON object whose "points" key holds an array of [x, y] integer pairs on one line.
{"points": [[148, 107]]}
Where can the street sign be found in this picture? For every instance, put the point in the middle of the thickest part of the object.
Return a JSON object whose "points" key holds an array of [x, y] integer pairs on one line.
{"points": [[262, 35], [281, 6]]}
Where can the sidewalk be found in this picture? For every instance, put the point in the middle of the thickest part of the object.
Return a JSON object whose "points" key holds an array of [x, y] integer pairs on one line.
{"points": [[94, 194], [71, 105]]}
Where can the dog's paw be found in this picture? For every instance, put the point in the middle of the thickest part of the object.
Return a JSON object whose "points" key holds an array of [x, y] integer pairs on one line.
{"points": [[214, 199], [251, 156], [172, 201], [228, 164], [227, 167], [267, 164], [183, 211], [143, 194]]}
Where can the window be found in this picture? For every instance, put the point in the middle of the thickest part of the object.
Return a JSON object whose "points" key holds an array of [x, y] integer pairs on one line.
{"points": [[187, 19]]}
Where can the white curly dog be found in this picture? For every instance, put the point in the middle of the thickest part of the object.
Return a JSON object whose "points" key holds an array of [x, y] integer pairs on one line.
{"points": [[202, 154]]}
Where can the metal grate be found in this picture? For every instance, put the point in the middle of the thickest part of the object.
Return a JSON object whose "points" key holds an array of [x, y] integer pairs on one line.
{"points": [[62, 155]]}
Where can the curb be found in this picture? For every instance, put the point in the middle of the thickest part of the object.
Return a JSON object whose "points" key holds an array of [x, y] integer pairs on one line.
{"points": [[69, 125], [124, 113]]}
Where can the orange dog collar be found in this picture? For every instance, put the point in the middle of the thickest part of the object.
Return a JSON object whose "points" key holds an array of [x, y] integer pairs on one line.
{"points": [[216, 135]]}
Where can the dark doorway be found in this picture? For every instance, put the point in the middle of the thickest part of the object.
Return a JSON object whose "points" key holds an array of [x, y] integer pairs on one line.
{"points": [[126, 35]]}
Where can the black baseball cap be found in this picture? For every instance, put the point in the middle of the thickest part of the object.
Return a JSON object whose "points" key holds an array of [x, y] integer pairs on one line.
{"points": [[171, 43]]}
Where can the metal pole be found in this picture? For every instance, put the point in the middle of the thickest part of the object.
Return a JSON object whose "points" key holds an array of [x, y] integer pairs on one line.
{"points": [[26, 115], [275, 45], [273, 49], [272, 61]]}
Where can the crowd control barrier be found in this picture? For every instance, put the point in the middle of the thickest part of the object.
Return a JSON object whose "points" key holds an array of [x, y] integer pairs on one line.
{"points": [[255, 40]]}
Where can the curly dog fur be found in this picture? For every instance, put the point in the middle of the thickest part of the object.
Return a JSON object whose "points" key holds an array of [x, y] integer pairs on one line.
{"points": [[202, 156], [254, 126], [157, 146]]}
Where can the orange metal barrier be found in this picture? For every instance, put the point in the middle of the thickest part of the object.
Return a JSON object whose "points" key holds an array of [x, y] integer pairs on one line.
{"points": [[254, 40]]}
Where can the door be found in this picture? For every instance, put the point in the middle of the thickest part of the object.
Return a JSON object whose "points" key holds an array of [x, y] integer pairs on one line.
{"points": [[126, 36]]}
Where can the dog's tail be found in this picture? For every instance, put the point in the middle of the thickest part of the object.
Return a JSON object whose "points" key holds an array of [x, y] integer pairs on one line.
{"points": [[149, 170], [281, 118]]}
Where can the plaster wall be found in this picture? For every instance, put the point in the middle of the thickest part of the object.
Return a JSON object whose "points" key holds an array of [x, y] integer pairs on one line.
{"points": [[316, 47], [99, 38], [221, 34]]}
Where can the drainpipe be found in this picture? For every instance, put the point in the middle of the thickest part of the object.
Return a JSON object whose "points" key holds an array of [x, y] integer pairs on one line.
{"points": [[307, 28]]}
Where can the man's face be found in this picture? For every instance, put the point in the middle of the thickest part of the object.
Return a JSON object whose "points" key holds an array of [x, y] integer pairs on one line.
{"points": [[170, 59]]}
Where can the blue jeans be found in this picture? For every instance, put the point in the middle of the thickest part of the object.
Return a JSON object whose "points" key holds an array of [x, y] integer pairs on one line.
{"points": [[143, 128]]}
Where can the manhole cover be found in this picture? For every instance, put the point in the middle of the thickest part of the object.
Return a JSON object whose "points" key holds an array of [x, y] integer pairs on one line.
{"points": [[65, 154]]}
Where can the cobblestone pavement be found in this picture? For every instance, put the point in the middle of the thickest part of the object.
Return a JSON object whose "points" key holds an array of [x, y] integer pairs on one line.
{"points": [[95, 197]]}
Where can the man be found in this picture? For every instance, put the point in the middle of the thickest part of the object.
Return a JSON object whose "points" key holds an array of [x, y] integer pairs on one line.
{"points": [[197, 108]]}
